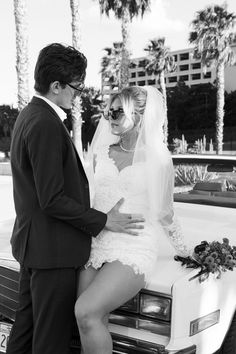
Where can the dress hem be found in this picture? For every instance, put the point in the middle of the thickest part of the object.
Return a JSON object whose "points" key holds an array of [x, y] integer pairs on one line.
{"points": [[135, 267]]}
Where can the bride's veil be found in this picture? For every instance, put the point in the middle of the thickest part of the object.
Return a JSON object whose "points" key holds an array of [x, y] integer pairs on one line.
{"points": [[151, 149]]}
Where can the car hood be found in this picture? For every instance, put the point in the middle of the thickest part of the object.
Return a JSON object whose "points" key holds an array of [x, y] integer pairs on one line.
{"points": [[167, 272], [198, 223]]}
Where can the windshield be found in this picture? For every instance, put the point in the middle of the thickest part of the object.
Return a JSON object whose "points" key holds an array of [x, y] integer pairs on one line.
{"points": [[205, 181]]}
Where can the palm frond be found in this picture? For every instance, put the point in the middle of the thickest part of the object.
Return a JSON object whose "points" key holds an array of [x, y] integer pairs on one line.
{"points": [[134, 7], [213, 34], [159, 58]]}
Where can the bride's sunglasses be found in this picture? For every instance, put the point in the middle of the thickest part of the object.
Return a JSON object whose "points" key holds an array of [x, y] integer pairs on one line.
{"points": [[113, 114]]}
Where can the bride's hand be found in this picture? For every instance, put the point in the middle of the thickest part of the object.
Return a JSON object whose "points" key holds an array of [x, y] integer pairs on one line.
{"points": [[123, 222]]}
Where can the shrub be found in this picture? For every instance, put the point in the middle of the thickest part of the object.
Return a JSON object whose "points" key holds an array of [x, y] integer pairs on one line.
{"points": [[191, 174]]}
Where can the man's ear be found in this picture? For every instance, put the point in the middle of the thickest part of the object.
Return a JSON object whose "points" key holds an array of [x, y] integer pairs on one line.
{"points": [[55, 87]]}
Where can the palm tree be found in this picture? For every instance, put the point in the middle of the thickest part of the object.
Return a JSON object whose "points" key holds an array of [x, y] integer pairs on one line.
{"points": [[158, 63], [111, 65], [22, 57], [76, 108], [212, 37], [93, 107], [124, 10]]}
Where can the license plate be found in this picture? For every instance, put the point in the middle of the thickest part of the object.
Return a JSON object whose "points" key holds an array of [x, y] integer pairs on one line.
{"points": [[5, 329]]}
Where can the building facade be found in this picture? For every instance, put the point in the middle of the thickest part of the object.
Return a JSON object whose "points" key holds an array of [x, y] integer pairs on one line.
{"points": [[188, 69]]}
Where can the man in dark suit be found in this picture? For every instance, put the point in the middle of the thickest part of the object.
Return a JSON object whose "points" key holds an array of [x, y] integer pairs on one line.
{"points": [[54, 221]]}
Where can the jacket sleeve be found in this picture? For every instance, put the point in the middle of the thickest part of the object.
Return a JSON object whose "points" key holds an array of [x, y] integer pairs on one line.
{"points": [[44, 142]]}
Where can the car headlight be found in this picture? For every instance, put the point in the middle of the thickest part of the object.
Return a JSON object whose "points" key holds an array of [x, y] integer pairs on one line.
{"points": [[155, 306], [132, 305]]}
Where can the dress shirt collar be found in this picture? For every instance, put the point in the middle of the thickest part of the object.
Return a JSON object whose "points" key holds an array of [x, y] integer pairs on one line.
{"points": [[62, 115]]}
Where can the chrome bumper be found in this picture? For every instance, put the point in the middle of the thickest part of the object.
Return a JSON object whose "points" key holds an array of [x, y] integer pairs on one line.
{"points": [[126, 345]]}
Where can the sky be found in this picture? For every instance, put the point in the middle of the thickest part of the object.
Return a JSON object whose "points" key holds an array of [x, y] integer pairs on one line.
{"points": [[50, 21]]}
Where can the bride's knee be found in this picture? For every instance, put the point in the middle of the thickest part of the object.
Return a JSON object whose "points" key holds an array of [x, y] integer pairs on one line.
{"points": [[85, 318]]}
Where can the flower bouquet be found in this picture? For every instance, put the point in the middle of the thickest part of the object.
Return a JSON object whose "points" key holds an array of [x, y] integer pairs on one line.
{"points": [[211, 257]]}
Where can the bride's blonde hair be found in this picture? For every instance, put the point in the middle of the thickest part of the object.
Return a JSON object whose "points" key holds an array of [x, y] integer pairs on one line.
{"points": [[133, 100]]}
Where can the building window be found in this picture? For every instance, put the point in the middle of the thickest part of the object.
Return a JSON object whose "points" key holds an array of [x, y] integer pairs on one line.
{"points": [[184, 56], [142, 63], [176, 57], [132, 65], [152, 82], [172, 79], [141, 73], [196, 66], [132, 83], [133, 74], [207, 75], [183, 67], [141, 83], [184, 78], [196, 76]]}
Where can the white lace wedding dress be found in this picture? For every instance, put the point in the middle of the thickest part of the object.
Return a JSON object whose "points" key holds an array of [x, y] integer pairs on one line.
{"points": [[140, 252]]}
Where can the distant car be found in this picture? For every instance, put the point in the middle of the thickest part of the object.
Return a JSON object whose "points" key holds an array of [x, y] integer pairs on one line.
{"points": [[173, 314]]}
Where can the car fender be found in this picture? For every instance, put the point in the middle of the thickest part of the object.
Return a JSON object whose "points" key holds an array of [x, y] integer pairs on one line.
{"points": [[193, 300]]}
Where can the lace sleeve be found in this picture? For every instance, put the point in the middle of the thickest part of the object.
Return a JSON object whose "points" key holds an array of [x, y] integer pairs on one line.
{"points": [[175, 235]]}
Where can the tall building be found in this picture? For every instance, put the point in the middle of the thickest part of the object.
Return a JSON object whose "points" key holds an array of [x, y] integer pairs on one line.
{"points": [[188, 69]]}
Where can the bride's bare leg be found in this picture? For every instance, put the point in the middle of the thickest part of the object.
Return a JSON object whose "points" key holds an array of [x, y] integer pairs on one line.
{"points": [[114, 284], [85, 277]]}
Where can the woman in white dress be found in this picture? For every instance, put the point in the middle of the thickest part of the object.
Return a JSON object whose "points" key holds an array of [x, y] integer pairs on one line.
{"points": [[131, 162]]}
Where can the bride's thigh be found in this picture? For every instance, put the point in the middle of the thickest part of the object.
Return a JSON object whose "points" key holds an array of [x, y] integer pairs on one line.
{"points": [[85, 278], [114, 284]]}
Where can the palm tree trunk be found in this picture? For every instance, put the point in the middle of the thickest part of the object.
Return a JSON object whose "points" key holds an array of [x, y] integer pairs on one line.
{"points": [[125, 49], [163, 91], [220, 101], [76, 107], [22, 57]]}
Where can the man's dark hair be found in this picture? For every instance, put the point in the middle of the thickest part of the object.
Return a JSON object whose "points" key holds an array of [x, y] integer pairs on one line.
{"points": [[57, 62]]}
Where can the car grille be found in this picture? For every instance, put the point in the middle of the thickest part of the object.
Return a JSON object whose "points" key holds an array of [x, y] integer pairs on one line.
{"points": [[9, 280]]}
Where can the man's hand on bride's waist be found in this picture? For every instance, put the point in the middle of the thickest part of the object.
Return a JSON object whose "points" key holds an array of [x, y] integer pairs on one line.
{"points": [[124, 222]]}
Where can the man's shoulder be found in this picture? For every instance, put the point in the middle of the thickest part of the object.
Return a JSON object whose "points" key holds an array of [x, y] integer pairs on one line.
{"points": [[39, 106], [38, 109], [37, 116]]}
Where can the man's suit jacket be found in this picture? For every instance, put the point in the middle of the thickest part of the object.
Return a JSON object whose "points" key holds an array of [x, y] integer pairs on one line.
{"points": [[54, 222]]}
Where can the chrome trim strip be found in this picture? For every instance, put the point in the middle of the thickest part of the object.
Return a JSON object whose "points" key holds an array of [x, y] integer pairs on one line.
{"points": [[129, 345], [123, 345], [136, 322]]}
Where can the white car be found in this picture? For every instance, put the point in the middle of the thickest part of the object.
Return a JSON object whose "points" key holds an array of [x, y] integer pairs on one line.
{"points": [[173, 314]]}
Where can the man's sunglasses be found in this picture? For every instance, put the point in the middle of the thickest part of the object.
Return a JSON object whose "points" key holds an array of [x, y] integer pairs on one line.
{"points": [[113, 114], [78, 89]]}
